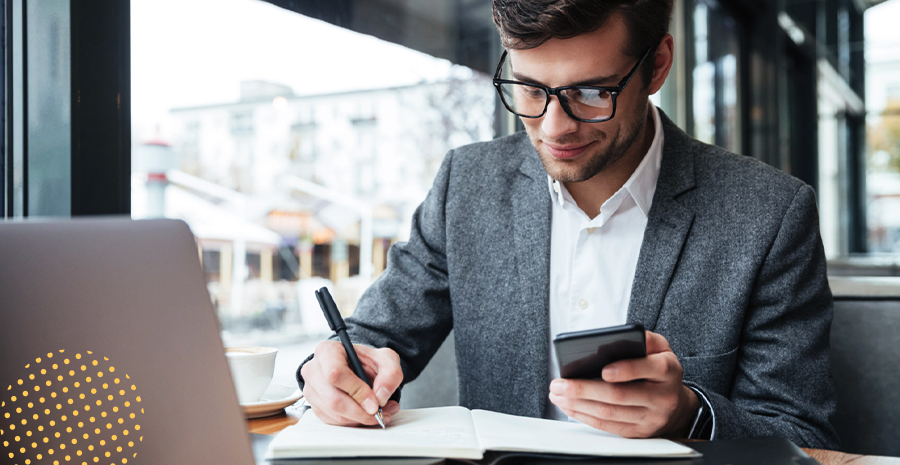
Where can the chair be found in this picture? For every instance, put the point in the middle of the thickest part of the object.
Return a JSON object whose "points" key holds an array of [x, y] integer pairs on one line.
{"points": [[865, 365], [436, 386]]}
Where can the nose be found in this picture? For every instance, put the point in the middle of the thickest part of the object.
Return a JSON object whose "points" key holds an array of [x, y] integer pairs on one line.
{"points": [[556, 122]]}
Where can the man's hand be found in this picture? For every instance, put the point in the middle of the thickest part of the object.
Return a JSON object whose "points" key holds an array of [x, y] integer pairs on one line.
{"points": [[637, 398], [339, 397]]}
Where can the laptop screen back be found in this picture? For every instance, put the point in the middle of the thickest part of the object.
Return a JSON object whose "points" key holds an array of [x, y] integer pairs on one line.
{"points": [[111, 348]]}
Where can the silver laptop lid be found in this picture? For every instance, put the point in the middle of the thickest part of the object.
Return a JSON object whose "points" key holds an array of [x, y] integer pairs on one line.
{"points": [[110, 348]]}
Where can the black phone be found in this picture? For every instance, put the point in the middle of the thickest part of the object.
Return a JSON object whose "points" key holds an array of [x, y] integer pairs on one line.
{"points": [[583, 354]]}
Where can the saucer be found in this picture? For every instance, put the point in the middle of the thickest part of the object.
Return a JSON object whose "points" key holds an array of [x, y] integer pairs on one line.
{"points": [[273, 401]]}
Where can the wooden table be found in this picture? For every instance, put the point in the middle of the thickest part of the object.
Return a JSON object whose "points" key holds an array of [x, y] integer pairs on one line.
{"points": [[274, 424]]}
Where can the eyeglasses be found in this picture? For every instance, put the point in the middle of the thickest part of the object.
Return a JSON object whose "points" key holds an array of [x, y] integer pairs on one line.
{"points": [[588, 104]]}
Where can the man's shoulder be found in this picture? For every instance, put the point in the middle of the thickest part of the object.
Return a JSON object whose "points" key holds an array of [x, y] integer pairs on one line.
{"points": [[754, 173], [740, 178], [498, 157], [718, 172]]}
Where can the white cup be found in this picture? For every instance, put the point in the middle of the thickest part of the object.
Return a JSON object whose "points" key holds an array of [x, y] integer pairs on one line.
{"points": [[251, 369]]}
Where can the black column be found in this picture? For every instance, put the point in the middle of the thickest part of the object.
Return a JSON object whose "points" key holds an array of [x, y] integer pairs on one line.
{"points": [[858, 231], [101, 107], [4, 146]]}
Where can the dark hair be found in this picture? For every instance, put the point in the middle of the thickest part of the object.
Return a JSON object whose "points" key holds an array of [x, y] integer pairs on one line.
{"points": [[525, 24]]}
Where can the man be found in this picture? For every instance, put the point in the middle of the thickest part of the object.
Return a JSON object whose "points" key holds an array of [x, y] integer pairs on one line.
{"points": [[602, 212]]}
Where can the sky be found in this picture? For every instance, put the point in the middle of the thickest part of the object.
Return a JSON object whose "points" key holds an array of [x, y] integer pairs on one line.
{"points": [[196, 52], [882, 39], [882, 47]]}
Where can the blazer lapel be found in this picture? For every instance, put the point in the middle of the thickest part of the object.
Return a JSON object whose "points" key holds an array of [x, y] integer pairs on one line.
{"points": [[668, 224], [531, 229]]}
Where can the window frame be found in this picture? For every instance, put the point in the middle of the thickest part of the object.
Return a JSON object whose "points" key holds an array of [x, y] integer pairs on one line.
{"points": [[100, 102]]}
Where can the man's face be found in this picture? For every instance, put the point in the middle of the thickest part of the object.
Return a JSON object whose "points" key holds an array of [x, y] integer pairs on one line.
{"points": [[572, 151]]}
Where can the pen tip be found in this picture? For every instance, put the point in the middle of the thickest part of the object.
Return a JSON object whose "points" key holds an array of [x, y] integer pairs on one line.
{"points": [[380, 417]]}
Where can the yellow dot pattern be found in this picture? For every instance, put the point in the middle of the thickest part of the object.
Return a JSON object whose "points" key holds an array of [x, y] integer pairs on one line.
{"points": [[34, 422]]}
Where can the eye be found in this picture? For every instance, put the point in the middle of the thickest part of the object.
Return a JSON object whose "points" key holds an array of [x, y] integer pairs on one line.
{"points": [[588, 96], [532, 92]]}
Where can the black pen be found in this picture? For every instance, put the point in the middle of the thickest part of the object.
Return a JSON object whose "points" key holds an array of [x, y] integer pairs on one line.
{"points": [[336, 323]]}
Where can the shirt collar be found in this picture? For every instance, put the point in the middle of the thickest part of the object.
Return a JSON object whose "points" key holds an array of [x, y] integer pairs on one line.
{"points": [[641, 185]]}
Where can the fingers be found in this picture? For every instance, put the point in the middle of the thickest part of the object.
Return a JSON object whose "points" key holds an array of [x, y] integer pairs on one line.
{"points": [[635, 409], [315, 400], [331, 403], [660, 367], [628, 430], [341, 421], [636, 398], [389, 410], [601, 410], [660, 364], [331, 419], [338, 396], [332, 361], [385, 364], [609, 393]]}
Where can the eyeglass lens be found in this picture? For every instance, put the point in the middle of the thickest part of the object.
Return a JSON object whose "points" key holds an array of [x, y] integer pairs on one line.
{"points": [[583, 102]]}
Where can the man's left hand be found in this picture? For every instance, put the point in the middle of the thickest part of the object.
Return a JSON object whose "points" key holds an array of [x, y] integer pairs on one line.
{"points": [[636, 398]]}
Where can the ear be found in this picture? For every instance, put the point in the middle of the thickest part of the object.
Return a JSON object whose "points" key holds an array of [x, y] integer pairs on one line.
{"points": [[662, 63]]}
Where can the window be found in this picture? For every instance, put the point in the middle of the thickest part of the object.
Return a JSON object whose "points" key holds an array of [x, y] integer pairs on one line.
{"points": [[715, 77], [294, 164], [883, 129], [65, 156]]}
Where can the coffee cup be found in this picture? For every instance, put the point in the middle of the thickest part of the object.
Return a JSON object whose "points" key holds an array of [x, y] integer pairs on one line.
{"points": [[251, 370]]}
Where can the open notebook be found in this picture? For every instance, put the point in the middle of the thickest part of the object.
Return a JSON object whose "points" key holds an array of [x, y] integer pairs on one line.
{"points": [[456, 432]]}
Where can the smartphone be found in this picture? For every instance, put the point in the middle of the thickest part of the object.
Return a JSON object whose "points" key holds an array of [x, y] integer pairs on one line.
{"points": [[583, 354]]}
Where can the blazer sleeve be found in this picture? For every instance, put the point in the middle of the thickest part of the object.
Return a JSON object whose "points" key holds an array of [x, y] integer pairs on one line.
{"points": [[782, 384], [407, 308]]}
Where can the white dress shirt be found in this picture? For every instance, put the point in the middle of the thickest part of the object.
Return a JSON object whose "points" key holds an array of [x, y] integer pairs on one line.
{"points": [[593, 260]]}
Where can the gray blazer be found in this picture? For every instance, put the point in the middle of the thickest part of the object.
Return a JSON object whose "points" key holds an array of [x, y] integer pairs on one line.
{"points": [[731, 271]]}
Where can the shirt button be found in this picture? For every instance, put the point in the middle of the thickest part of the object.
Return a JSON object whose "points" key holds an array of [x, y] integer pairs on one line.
{"points": [[583, 303], [591, 230]]}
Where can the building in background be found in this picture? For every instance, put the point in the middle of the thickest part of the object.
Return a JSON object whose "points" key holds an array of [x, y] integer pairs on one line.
{"points": [[284, 189]]}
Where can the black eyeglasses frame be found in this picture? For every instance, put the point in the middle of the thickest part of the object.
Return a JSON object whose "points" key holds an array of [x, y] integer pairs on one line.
{"points": [[557, 91]]}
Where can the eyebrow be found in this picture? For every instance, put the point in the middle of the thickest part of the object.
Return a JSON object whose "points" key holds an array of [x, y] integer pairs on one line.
{"points": [[603, 81]]}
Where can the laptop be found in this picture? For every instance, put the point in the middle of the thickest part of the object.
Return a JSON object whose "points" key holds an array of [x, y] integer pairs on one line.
{"points": [[110, 348]]}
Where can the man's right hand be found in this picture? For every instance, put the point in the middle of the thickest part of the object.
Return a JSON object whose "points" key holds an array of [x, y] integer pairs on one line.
{"points": [[339, 397]]}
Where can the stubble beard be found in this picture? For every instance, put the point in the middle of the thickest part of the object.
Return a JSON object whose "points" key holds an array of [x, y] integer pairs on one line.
{"points": [[602, 155]]}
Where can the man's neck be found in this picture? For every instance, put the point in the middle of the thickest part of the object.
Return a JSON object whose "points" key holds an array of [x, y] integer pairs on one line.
{"points": [[591, 194]]}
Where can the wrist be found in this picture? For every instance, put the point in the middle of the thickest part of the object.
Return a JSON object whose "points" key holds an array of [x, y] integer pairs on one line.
{"points": [[301, 381], [688, 413]]}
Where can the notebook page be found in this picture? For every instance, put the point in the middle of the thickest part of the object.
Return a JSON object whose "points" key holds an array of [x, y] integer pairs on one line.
{"points": [[432, 432], [501, 432]]}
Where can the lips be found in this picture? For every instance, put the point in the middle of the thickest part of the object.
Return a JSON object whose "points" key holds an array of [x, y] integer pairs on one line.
{"points": [[566, 152]]}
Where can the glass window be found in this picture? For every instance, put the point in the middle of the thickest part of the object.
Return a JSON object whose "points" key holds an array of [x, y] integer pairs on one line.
{"points": [[49, 110], [883, 128], [715, 77], [296, 150], [37, 157], [16, 205]]}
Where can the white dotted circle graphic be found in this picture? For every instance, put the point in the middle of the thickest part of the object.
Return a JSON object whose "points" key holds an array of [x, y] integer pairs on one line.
{"points": [[70, 408]]}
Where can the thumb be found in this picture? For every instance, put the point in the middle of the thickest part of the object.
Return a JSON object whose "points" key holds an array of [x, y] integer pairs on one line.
{"points": [[388, 374], [656, 343]]}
